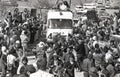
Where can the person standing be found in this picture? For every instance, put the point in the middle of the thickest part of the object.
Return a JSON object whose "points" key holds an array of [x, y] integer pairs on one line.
{"points": [[41, 72], [11, 67], [69, 66], [87, 63], [4, 61], [67, 55], [24, 40]]}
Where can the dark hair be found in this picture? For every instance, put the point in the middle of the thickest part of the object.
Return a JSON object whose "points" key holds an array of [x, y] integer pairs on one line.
{"points": [[9, 13], [25, 32], [11, 50], [66, 3], [96, 45]]}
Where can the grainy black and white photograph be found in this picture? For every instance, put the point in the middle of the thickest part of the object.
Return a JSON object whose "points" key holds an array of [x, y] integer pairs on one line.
{"points": [[59, 38]]}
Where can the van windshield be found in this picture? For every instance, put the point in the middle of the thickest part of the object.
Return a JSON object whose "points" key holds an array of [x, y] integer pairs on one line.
{"points": [[60, 23]]}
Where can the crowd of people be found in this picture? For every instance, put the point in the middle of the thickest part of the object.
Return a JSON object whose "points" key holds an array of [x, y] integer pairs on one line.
{"points": [[93, 48], [17, 31]]}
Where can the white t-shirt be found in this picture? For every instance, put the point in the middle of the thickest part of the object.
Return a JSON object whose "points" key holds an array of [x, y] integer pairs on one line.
{"points": [[11, 59]]}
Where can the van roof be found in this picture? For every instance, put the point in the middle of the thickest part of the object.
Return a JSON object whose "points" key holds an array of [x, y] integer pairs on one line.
{"points": [[60, 15]]}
